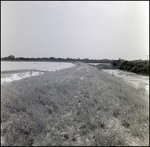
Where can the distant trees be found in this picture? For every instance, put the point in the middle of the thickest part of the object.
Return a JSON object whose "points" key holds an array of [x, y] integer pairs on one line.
{"points": [[136, 66], [51, 59], [9, 58], [117, 62]]}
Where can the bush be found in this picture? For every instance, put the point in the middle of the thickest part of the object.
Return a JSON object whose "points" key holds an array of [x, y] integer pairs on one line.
{"points": [[134, 69], [128, 68], [136, 66]]}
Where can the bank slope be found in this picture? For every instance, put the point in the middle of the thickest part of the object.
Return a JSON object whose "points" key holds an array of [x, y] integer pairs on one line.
{"points": [[75, 106]]}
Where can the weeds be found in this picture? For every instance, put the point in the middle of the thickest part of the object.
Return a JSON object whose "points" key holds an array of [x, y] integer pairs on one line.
{"points": [[61, 109], [141, 87]]}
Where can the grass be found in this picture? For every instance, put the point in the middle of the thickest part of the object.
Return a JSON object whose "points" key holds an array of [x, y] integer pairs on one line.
{"points": [[61, 108]]}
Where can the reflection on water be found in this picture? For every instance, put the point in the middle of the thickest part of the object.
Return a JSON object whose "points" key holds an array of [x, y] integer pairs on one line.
{"points": [[132, 78]]}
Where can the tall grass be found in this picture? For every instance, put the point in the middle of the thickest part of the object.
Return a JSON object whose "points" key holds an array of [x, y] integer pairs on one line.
{"points": [[60, 108]]}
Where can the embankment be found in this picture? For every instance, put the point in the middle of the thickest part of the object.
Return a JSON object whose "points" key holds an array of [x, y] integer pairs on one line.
{"points": [[76, 106]]}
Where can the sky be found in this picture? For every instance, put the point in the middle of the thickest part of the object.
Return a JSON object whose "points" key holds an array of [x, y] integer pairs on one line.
{"points": [[75, 29]]}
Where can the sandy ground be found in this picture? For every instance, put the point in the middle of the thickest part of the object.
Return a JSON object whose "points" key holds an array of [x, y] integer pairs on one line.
{"points": [[130, 77], [17, 76], [99, 63]]}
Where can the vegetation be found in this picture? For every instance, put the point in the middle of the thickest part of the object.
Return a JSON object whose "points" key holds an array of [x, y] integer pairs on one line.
{"points": [[136, 66], [117, 63], [105, 66], [53, 59], [75, 106]]}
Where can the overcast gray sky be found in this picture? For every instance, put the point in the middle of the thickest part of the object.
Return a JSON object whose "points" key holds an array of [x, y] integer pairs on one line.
{"points": [[75, 29]]}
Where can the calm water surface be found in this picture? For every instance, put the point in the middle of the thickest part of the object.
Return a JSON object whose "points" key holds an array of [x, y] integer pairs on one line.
{"points": [[46, 66]]}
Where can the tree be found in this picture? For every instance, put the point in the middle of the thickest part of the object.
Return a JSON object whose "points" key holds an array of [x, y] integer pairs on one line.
{"points": [[11, 57]]}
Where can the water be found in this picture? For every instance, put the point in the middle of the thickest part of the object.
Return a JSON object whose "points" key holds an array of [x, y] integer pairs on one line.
{"points": [[130, 77], [40, 66], [46, 66]]}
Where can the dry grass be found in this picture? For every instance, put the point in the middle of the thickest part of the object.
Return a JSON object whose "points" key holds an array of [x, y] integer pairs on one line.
{"points": [[76, 106]]}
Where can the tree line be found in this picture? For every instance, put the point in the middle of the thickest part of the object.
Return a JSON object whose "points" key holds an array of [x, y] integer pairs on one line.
{"points": [[53, 59], [136, 66]]}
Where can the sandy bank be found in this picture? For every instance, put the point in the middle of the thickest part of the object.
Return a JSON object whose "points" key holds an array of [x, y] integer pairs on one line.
{"points": [[134, 79]]}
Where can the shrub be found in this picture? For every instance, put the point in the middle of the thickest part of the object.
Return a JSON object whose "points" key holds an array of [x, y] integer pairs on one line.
{"points": [[137, 66], [134, 69]]}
